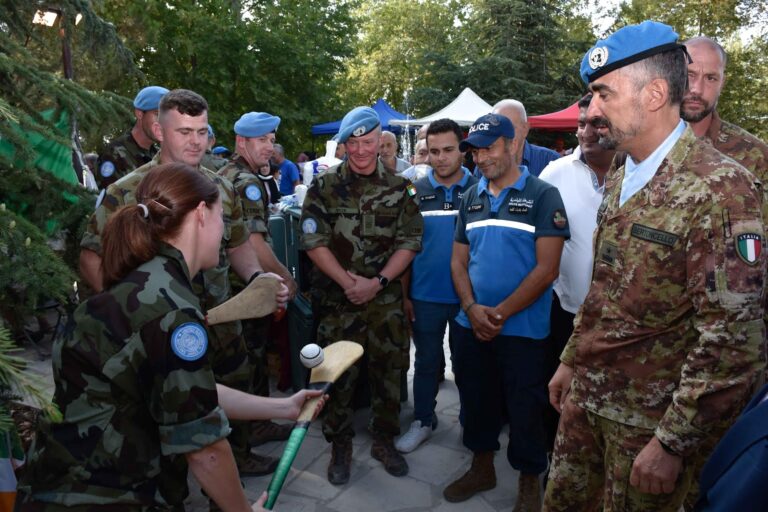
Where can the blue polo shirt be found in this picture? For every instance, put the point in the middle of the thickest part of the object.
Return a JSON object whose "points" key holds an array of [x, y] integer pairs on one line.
{"points": [[501, 233], [289, 174], [536, 158], [431, 271]]}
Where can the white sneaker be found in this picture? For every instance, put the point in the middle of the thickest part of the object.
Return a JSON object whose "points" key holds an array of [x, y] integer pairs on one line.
{"points": [[411, 440]]}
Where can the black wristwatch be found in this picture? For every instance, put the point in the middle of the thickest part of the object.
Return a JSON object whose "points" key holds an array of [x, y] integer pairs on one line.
{"points": [[383, 281]]}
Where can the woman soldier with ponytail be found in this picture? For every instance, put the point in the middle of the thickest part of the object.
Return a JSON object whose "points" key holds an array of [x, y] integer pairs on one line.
{"points": [[132, 378]]}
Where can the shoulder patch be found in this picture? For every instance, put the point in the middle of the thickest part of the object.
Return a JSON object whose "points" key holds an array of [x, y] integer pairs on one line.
{"points": [[253, 192], [107, 169], [309, 226], [748, 247], [189, 341], [411, 189], [559, 219]]}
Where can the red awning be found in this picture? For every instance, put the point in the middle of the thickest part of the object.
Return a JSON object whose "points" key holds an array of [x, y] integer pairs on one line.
{"points": [[563, 120]]}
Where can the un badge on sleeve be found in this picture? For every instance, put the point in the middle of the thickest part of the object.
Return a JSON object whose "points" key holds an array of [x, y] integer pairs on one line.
{"points": [[189, 341], [309, 226], [252, 192], [107, 169]]}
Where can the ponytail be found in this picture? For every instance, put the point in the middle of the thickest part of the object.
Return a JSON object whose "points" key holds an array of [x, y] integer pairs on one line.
{"points": [[165, 196]]}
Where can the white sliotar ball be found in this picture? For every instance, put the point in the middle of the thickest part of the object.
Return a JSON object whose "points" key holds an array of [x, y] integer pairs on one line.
{"points": [[311, 355]]}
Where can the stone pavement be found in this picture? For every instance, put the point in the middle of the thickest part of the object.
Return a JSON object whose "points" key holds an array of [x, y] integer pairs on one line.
{"points": [[432, 466]]}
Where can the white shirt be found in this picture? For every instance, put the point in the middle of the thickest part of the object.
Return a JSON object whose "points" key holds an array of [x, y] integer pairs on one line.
{"points": [[582, 196], [637, 175]]}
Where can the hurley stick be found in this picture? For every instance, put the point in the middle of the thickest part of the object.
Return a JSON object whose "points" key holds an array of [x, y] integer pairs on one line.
{"points": [[339, 357], [255, 301]]}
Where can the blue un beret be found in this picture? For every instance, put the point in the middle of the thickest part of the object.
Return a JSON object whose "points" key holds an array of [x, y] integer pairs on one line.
{"points": [[220, 150], [626, 46], [149, 98], [211, 133], [357, 122], [486, 130], [256, 124]]}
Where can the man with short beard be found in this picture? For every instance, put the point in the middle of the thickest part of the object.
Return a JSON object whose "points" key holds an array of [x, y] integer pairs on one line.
{"points": [[706, 78], [669, 339]]}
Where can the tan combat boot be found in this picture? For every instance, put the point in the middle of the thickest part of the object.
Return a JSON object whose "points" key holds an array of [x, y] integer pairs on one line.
{"points": [[480, 477], [528, 494]]}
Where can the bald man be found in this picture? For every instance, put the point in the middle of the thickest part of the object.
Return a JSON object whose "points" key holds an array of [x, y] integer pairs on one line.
{"points": [[534, 157], [388, 154]]}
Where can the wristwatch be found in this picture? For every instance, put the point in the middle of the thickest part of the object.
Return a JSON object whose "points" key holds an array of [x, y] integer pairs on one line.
{"points": [[383, 281]]}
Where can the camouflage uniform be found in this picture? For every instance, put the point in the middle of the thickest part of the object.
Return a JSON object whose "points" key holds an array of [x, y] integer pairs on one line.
{"points": [[130, 403], [213, 162], [363, 220], [228, 355], [120, 157], [669, 338], [752, 153], [251, 191]]}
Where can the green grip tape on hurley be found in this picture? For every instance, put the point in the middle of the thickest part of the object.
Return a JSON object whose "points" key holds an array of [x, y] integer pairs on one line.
{"points": [[291, 449]]}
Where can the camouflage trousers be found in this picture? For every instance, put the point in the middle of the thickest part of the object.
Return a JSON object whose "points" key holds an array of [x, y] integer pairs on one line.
{"points": [[230, 365], [382, 331], [256, 332], [592, 463]]}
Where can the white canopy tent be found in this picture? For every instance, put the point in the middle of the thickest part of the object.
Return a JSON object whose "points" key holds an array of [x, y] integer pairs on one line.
{"points": [[465, 110]]}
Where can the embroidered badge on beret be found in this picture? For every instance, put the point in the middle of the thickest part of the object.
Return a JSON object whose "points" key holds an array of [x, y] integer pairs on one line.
{"points": [[252, 192], [357, 132], [559, 219], [107, 169], [189, 341], [598, 57], [309, 226], [748, 247]]}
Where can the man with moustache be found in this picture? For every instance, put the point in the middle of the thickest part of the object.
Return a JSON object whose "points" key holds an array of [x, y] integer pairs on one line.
{"points": [[668, 341], [182, 129], [388, 154], [706, 79], [430, 301], [506, 253], [580, 178], [361, 228]]}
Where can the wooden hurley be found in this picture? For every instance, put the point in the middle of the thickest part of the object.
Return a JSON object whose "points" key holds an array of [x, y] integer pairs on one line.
{"points": [[338, 357], [255, 301]]}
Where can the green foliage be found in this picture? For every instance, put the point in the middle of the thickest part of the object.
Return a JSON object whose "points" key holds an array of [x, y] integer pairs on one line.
{"points": [[279, 57]]}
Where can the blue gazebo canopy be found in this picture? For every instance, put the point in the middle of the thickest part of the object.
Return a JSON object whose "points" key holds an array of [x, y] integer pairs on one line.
{"points": [[386, 114]]}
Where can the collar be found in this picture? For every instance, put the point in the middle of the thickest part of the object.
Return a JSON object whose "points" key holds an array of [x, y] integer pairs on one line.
{"points": [[461, 183], [347, 174], [172, 253], [655, 159], [713, 132], [482, 185]]}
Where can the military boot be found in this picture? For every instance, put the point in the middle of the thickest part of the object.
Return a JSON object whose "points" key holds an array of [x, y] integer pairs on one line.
{"points": [[383, 449], [341, 460], [480, 477], [528, 494]]}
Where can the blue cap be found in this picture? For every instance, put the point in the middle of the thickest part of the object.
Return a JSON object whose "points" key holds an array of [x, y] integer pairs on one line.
{"points": [[626, 46], [486, 130], [357, 122], [149, 98], [218, 150], [256, 124], [210, 132]]}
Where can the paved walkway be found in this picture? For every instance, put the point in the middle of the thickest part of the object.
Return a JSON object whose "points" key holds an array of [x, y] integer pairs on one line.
{"points": [[432, 466]]}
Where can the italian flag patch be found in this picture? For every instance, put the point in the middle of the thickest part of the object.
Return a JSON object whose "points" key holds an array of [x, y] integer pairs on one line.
{"points": [[411, 189], [749, 246]]}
